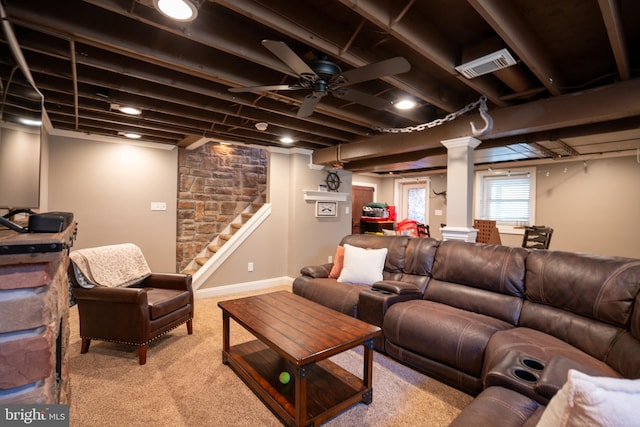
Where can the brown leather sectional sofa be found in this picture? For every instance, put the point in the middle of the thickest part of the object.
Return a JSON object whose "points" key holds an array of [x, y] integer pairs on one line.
{"points": [[503, 323]]}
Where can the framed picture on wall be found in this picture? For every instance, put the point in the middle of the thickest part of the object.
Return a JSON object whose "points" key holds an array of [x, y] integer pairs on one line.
{"points": [[324, 209]]}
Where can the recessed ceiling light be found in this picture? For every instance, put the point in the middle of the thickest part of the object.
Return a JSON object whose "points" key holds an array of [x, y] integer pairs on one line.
{"points": [[30, 122], [180, 10], [286, 140], [130, 110], [405, 104], [131, 135], [127, 109]]}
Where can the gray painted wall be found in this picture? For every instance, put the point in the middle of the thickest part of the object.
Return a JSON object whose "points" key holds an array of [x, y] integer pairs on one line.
{"points": [[109, 187]]}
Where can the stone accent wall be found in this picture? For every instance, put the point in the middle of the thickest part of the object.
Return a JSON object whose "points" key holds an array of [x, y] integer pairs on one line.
{"points": [[216, 183]]}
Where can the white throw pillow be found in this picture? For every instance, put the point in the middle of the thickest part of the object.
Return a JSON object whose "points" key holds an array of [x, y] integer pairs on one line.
{"points": [[594, 401], [362, 266]]}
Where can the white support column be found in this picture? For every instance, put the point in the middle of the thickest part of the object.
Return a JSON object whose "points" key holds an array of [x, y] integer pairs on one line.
{"points": [[460, 189]]}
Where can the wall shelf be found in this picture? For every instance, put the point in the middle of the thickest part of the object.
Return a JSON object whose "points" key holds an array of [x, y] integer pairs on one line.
{"points": [[325, 196]]}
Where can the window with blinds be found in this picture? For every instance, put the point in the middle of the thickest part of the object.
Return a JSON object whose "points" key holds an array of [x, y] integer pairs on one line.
{"points": [[505, 197]]}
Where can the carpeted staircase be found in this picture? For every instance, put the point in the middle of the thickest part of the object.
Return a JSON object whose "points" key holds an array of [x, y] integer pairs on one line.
{"points": [[214, 246]]}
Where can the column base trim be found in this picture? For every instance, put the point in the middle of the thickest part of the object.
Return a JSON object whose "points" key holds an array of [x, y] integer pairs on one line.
{"points": [[467, 234]]}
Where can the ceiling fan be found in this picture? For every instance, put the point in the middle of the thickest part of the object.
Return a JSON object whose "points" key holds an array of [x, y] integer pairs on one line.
{"points": [[322, 76]]}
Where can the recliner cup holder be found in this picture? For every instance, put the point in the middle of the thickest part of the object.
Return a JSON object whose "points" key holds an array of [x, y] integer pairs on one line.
{"points": [[524, 375], [533, 364]]}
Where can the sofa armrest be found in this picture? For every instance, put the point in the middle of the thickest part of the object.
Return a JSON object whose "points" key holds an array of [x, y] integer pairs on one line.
{"points": [[135, 296], [396, 287], [167, 281], [114, 314], [317, 271], [374, 302], [556, 372]]}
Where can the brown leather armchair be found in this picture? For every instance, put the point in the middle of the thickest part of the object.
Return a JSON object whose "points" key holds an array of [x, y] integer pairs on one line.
{"points": [[135, 315]]}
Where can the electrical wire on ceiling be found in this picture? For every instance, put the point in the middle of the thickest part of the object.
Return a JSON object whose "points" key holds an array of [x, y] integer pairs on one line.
{"points": [[6, 91], [634, 71], [15, 49]]}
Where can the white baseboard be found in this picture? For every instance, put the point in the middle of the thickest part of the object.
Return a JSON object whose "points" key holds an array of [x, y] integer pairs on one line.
{"points": [[242, 287]]}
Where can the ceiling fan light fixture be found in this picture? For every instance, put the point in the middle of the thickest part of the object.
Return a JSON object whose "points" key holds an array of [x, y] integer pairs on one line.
{"points": [[405, 104], [322, 76], [179, 10]]}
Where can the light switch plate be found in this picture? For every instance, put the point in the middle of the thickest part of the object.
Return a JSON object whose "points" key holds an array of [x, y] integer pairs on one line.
{"points": [[158, 206]]}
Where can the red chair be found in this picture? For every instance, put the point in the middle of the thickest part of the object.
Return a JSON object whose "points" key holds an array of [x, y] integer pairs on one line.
{"points": [[423, 230]]}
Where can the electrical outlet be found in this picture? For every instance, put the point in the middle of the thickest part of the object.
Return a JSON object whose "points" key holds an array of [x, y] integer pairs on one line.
{"points": [[158, 206], [250, 266], [329, 259]]}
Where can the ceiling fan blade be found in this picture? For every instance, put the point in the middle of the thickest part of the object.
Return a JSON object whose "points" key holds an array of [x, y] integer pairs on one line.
{"points": [[388, 67], [362, 98], [289, 57], [308, 105], [264, 88]]}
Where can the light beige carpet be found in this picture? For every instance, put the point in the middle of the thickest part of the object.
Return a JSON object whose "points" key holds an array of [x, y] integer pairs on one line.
{"points": [[184, 383]]}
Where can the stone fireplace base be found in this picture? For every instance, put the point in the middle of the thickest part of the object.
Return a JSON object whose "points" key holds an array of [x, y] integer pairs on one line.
{"points": [[34, 313]]}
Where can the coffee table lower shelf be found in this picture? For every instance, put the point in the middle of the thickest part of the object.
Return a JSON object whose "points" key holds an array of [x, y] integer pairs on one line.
{"points": [[330, 389]]}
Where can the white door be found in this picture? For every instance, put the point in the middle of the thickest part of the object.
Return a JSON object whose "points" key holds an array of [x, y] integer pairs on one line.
{"points": [[414, 201]]}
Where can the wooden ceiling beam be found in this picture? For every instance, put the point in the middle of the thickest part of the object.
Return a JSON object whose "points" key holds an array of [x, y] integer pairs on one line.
{"points": [[611, 16], [415, 31], [510, 26], [278, 20], [185, 56], [616, 101], [195, 123], [149, 96]]}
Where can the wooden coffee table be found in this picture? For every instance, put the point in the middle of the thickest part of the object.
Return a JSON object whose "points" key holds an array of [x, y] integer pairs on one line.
{"points": [[298, 336]]}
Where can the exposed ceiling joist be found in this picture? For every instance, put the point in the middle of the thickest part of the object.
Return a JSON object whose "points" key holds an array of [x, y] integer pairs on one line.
{"points": [[612, 20], [86, 56]]}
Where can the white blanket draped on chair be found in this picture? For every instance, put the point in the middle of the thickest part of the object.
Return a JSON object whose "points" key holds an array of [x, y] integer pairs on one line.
{"points": [[110, 266]]}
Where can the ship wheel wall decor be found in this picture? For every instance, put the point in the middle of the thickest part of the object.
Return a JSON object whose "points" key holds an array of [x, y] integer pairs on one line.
{"points": [[333, 181]]}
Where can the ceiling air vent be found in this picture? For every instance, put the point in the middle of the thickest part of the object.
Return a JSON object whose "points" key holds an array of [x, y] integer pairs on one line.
{"points": [[487, 64]]}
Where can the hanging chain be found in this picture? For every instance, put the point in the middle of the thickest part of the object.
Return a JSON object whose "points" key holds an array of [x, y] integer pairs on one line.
{"points": [[482, 102]]}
